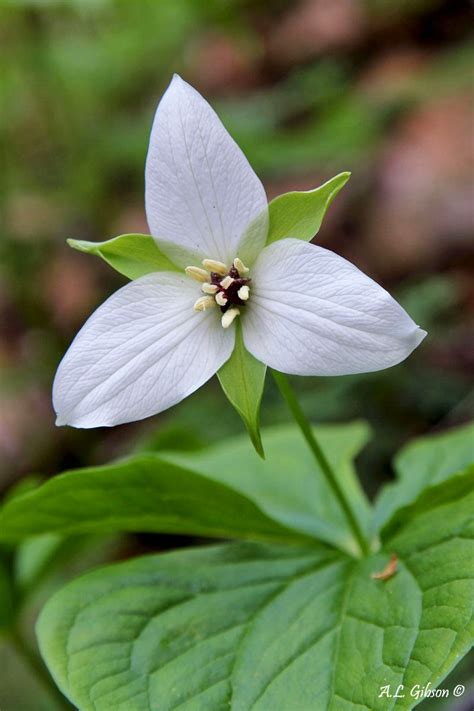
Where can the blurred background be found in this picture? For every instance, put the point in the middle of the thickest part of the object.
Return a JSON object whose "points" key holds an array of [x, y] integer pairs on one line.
{"points": [[308, 88]]}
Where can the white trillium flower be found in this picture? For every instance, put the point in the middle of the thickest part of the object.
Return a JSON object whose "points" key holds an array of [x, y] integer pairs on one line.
{"points": [[303, 309]]}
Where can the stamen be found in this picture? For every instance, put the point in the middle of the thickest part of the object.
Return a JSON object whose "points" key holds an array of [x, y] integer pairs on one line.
{"points": [[203, 303], [222, 286], [221, 299], [240, 266], [228, 317], [213, 266], [244, 292], [226, 282], [197, 273]]}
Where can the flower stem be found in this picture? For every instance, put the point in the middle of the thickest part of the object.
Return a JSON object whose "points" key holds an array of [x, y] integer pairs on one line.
{"points": [[307, 431]]}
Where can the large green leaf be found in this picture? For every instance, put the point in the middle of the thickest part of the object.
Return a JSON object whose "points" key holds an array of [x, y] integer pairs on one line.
{"points": [[143, 493], [424, 462], [457, 486], [284, 498], [132, 255], [242, 379], [262, 627], [289, 485], [300, 214]]}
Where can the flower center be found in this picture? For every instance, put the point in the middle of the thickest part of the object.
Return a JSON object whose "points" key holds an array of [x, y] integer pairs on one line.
{"points": [[225, 287]]}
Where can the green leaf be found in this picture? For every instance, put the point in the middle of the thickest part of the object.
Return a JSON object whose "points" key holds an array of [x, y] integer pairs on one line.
{"points": [[284, 498], [170, 436], [38, 558], [300, 214], [132, 255], [423, 462], [454, 488], [33, 558], [242, 379], [143, 493], [288, 486], [252, 627]]}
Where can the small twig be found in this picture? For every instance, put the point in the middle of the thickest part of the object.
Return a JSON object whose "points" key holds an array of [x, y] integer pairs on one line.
{"points": [[389, 570]]}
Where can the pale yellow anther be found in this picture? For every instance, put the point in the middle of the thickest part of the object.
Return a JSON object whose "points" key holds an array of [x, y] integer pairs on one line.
{"points": [[240, 266], [221, 299], [197, 273], [214, 266], [226, 282], [228, 317], [244, 292], [209, 288], [203, 303]]}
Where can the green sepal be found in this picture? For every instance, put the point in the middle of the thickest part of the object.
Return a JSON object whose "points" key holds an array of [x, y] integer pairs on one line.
{"points": [[132, 255], [242, 379], [299, 214]]}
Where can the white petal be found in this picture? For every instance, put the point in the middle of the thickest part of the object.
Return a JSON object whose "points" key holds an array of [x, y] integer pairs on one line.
{"points": [[201, 193], [312, 312], [142, 351]]}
